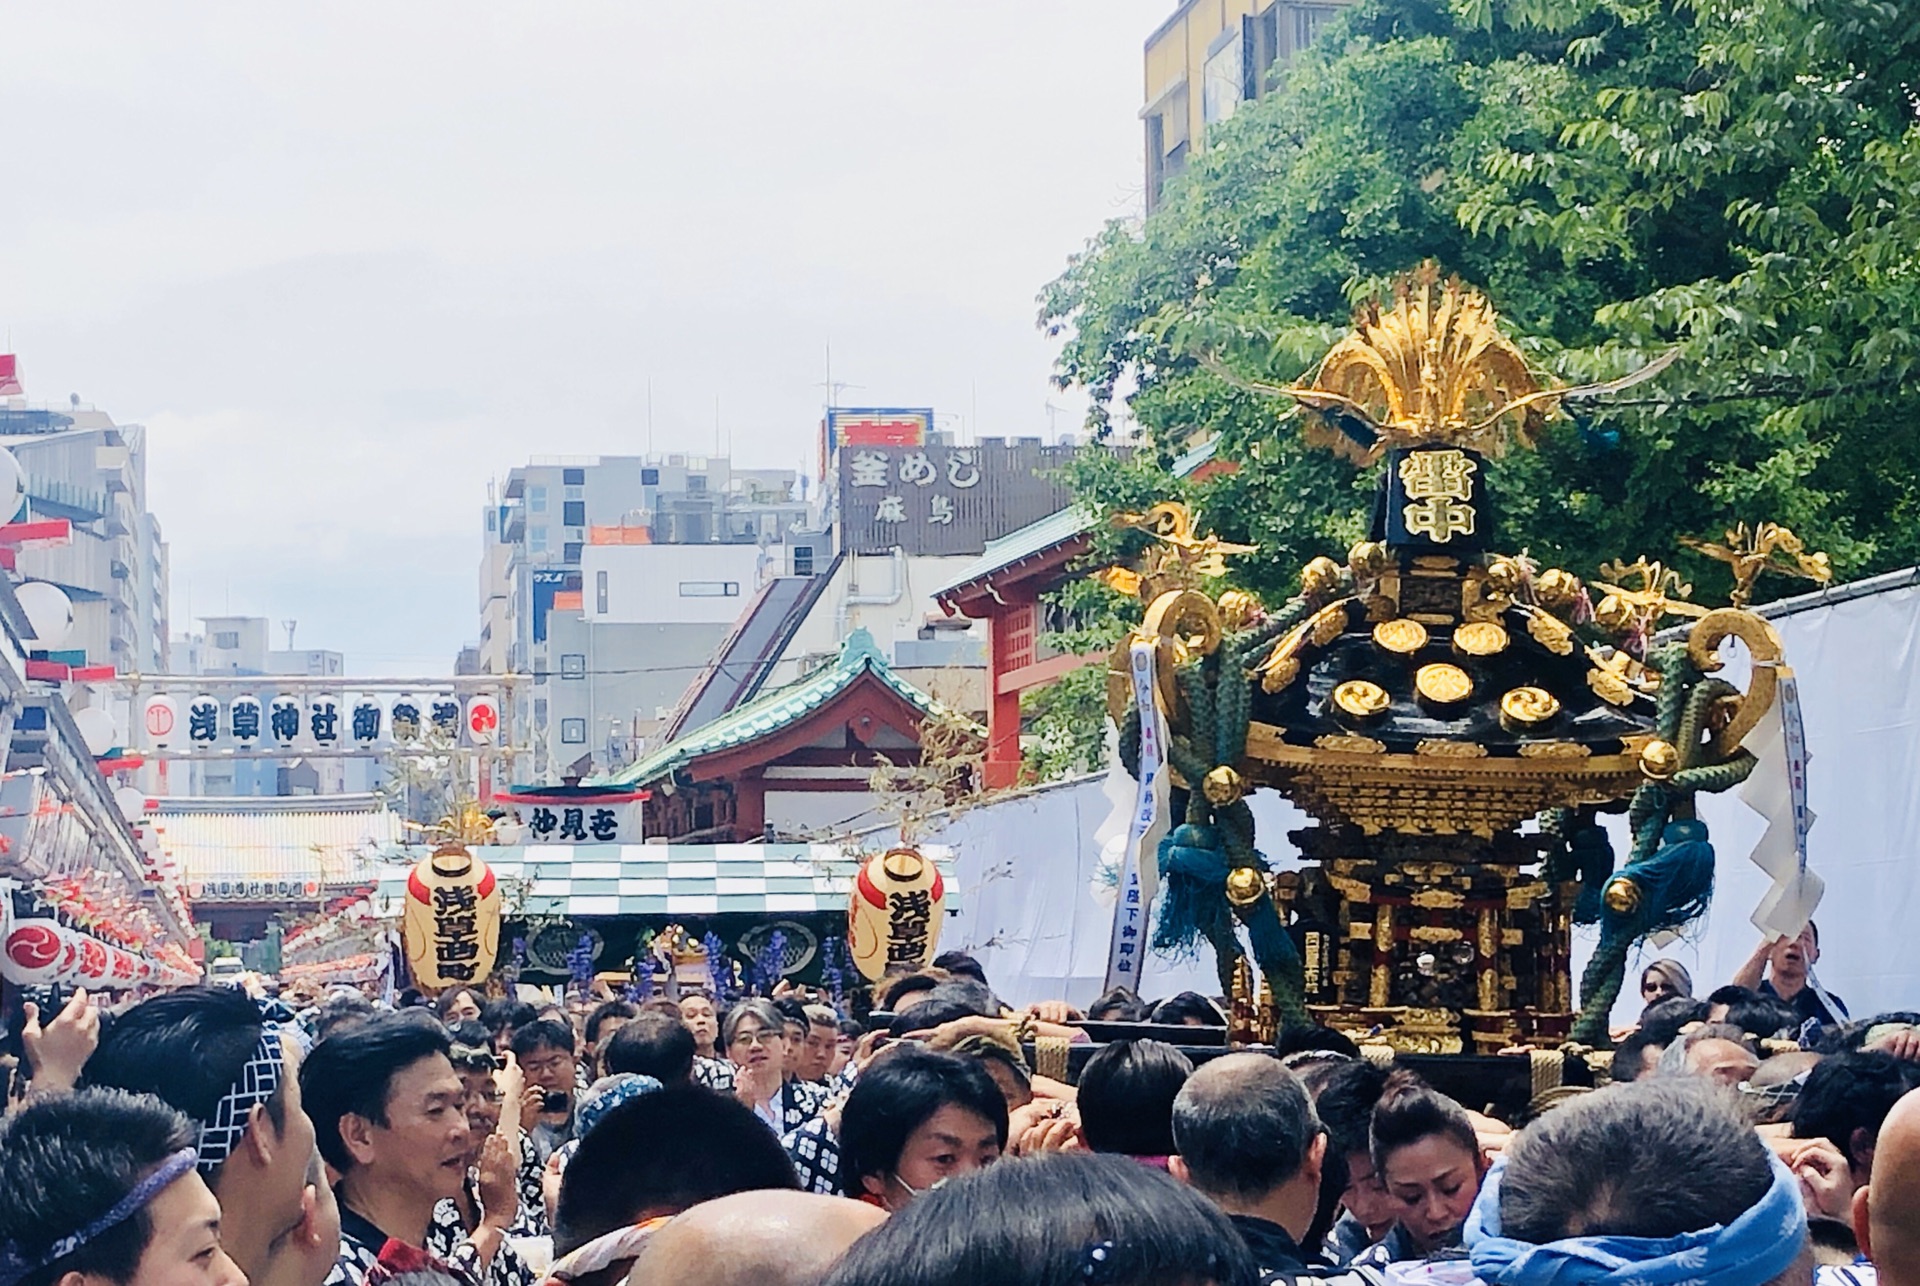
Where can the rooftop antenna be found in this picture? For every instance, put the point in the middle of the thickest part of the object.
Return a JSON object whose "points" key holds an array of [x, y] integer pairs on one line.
{"points": [[289, 626]]}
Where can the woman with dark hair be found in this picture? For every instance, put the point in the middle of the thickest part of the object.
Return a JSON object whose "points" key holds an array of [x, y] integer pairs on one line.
{"points": [[1064, 1219], [1429, 1159], [915, 1119], [1117, 1005], [1188, 1009], [1126, 1099]]}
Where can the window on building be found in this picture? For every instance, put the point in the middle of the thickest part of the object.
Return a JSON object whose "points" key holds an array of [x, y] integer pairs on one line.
{"points": [[573, 732], [570, 552], [227, 639], [709, 589], [573, 665], [574, 513], [540, 712], [1308, 19], [536, 500], [600, 592], [696, 482], [1261, 35], [537, 540], [649, 477], [1225, 77], [803, 560], [573, 477]]}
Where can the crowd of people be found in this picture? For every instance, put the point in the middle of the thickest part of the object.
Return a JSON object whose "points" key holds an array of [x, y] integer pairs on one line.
{"points": [[209, 1137]]}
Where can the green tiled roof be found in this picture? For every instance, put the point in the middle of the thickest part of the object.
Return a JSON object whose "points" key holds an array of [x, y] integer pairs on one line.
{"points": [[1057, 527], [772, 711]]}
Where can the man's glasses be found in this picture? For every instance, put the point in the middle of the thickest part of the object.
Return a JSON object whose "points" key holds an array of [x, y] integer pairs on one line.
{"points": [[756, 1037]]}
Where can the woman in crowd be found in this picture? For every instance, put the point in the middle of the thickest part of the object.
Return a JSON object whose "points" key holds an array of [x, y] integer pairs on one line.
{"points": [[1664, 979], [1428, 1157], [1065, 1219], [915, 1119]]}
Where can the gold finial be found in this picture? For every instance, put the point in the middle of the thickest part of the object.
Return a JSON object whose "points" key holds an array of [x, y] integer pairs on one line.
{"points": [[1640, 607], [468, 823], [1433, 368], [1753, 551], [1181, 560]]}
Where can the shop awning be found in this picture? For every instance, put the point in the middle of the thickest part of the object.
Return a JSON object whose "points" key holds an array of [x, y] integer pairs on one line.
{"points": [[670, 880]]}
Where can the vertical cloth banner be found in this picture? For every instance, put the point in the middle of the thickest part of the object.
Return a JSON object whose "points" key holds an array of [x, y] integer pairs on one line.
{"points": [[1777, 790], [1128, 948]]}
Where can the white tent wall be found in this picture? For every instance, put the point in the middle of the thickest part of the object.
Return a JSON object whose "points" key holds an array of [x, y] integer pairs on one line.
{"points": [[1025, 866], [1856, 653], [1025, 863]]}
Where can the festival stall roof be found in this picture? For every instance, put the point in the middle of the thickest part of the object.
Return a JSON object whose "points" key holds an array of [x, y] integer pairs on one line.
{"points": [[270, 848], [669, 880]]}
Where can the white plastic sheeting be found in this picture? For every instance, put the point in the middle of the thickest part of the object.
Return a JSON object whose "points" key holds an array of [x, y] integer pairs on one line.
{"points": [[1858, 662], [1025, 863]]}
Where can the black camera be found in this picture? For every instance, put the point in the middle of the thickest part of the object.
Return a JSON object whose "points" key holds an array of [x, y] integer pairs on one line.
{"points": [[555, 1101]]}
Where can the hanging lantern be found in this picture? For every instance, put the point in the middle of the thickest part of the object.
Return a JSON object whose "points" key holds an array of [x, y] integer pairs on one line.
{"points": [[483, 720], [35, 951], [894, 913], [323, 719], [452, 921], [366, 721], [203, 720], [96, 961], [123, 969], [283, 719], [161, 717], [243, 718], [406, 717]]}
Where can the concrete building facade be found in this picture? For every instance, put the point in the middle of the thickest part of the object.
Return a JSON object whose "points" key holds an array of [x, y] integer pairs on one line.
{"points": [[1208, 58]]}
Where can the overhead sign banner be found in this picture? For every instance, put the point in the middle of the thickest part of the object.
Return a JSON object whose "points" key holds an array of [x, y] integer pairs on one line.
{"points": [[879, 426], [946, 499]]}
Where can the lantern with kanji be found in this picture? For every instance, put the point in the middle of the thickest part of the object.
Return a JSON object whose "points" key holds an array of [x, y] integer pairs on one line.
{"points": [[893, 916], [452, 921]]}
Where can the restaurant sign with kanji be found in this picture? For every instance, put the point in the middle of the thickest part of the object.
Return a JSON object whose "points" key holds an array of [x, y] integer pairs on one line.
{"points": [[943, 499]]}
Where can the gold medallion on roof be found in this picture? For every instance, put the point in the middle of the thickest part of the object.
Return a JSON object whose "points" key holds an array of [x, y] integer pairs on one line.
{"points": [[1403, 636], [1443, 683], [1361, 699]]}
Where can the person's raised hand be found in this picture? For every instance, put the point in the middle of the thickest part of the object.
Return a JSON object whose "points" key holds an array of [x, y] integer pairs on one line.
{"points": [[1826, 1180], [58, 1051], [499, 1182], [757, 1085], [511, 1081]]}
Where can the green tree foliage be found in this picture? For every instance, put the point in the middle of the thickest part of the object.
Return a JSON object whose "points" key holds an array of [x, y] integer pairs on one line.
{"points": [[1736, 178]]}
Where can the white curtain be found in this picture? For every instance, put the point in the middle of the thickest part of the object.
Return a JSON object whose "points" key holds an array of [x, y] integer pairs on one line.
{"points": [[1858, 665]]}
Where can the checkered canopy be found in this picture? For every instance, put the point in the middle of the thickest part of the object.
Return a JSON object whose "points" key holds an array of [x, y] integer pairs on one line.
{"points": [[672, 879]]}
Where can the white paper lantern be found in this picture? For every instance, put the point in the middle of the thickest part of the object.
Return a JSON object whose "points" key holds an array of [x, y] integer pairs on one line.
{"points": [[203, 720], [132, 801], [161, 718], [323, 719], [407, 717], [283, 720], [367, 718], [35, 951], [49, 613], [483, 720], [13, 486], [244, 719], [96, 729]]}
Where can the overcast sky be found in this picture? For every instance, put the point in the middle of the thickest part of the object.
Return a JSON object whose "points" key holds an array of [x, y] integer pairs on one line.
{"points": [[349, 261]]}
